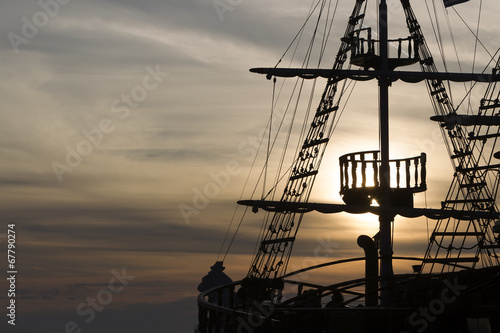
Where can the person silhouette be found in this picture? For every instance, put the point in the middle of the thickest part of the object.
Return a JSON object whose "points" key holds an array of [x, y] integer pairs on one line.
{"points": [[337, 300], [215, 278]]}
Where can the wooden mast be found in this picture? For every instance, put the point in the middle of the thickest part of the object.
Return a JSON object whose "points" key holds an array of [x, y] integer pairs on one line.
{"points": [[385, 219]]}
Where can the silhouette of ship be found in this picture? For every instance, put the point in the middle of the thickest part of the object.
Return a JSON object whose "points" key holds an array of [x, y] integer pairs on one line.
{"points": [[455, 285]]}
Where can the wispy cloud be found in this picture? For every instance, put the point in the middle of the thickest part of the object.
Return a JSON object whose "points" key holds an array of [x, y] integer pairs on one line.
{"points": [[119, 207]]}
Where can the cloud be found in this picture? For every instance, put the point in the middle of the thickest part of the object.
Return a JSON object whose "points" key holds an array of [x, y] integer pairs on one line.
{"points": [[120, 205]]}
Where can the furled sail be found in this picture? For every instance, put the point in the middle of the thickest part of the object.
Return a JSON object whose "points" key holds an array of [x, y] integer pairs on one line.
{"points": [[449, 3]]}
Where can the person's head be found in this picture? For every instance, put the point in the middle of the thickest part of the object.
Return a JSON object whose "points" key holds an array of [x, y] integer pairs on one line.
{"points": [[218, 266]]}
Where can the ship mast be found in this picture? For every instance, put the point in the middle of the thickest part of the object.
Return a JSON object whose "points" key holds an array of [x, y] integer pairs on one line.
{"points": [[467, 222], [385, 219], [410, 174]]}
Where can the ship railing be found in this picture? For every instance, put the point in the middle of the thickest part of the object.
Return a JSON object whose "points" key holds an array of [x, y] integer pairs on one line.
{"points": [[362, 169], [228, 314], [364, 47], [266, 316], [360, 175]]}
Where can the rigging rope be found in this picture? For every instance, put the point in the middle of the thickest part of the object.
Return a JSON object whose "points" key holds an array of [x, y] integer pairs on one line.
{"points": [[475, 36], [243, 191], [270, 146], [237, 206], [486, 67], [475, 48], [441, 47], [266, 165], [273, 256], [300, 32]]}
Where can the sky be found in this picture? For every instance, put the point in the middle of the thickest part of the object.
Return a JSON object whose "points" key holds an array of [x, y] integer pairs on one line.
{"points": [[118, 117]]}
